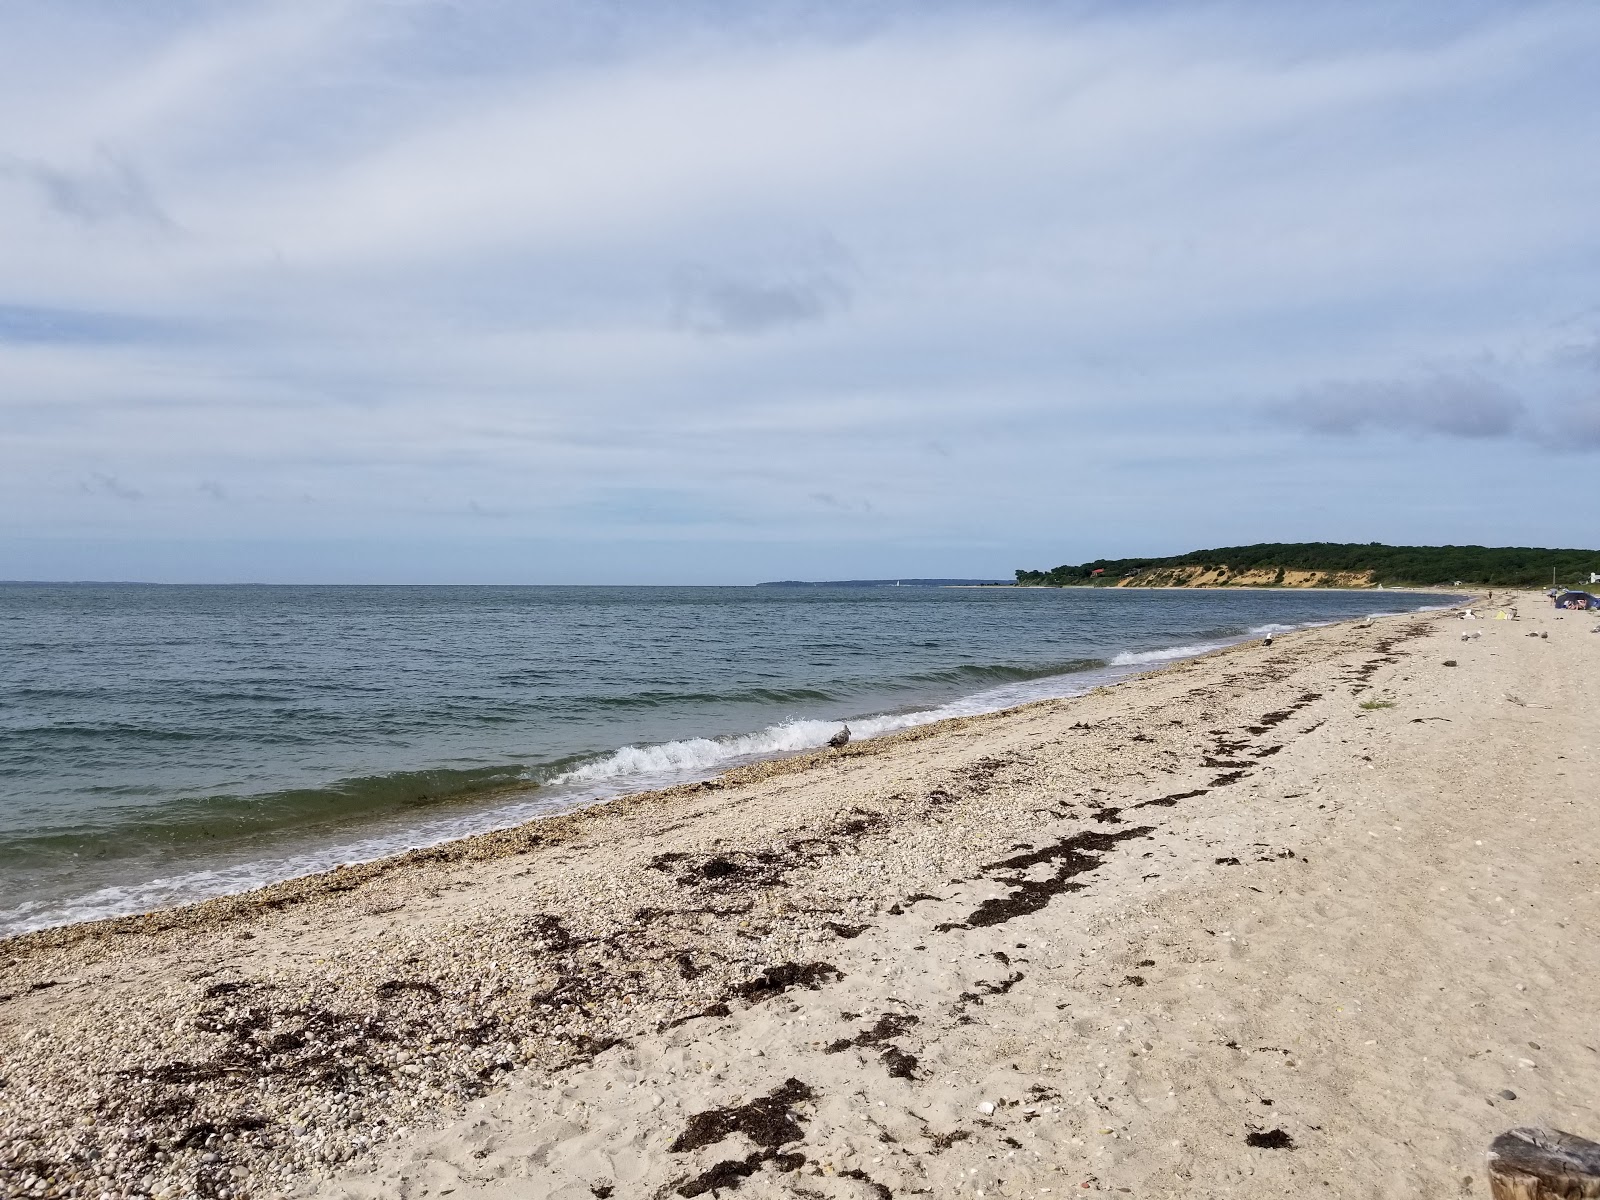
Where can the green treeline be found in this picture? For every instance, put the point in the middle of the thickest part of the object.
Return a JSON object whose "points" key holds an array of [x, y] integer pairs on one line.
{"points": [[1502, 566]]}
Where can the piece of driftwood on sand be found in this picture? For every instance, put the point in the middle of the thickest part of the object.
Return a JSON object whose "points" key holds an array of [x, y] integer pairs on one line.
{"points": [[1543, 1164]]}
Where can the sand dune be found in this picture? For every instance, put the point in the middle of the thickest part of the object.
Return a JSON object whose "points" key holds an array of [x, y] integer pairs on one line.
{"points": [[1216, 931]]}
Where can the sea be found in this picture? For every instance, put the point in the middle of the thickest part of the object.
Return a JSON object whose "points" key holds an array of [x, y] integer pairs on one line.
{"points": [[163, 744]]}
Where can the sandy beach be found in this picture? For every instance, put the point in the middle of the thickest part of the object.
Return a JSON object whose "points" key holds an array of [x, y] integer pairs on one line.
{"points": [[1314, 918]]}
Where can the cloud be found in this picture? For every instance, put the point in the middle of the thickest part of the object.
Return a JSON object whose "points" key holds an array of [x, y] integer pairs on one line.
{"points": [[1464, 406], [110, 485], [1574, 425], [707, 303], [841, 504], [107, 188]]}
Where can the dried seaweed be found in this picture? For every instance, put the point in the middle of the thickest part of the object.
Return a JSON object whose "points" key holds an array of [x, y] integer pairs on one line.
{"points": [[730, 1173], [768, 1121], [774, 981], [1172, 800], [1271, 1139], [1072, 856], [878, 1189]]}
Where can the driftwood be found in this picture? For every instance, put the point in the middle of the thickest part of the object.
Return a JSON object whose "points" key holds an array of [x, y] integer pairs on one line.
{"points": [[1543, 1164]]}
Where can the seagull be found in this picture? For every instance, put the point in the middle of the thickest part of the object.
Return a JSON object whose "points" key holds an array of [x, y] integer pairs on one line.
{"points": [[1267, 641], [840, 738]]}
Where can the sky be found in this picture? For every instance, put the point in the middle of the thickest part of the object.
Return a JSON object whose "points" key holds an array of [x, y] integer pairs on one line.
{"points": [[516, 291]]}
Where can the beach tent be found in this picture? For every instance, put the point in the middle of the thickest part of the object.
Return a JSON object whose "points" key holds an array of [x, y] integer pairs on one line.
{"points": [[1577, 600]]}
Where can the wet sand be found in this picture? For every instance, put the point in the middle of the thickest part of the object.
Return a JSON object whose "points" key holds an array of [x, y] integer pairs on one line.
{"points": [[1219, 930]]}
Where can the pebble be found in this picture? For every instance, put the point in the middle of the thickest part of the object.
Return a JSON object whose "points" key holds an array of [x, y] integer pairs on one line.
{"points": [[987, 1108]]}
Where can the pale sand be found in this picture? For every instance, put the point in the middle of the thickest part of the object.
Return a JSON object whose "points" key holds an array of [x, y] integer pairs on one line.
{"points": [[1368, 930]]}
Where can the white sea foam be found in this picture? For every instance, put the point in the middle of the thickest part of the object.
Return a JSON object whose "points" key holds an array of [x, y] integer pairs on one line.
{"points": [[1139, 658], [701, 754], [643, 767], [1272, 627], [658, 763]]}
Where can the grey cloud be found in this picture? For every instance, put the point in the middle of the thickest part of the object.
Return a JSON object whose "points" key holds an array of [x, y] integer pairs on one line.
{"points": [[109, 188], [1466, 406], [110, 485], [706, 303], [840, 504], [1583, 352], [1574, 425], [801, 283]]}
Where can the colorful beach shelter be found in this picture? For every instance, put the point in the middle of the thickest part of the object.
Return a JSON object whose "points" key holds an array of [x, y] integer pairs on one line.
{"points": [[1577, 600]]}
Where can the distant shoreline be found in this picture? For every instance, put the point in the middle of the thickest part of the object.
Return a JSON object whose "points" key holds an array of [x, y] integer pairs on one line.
{"points": [[1330, 564], [1430, 588]]}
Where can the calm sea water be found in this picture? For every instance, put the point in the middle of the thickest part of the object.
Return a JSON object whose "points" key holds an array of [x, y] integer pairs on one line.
{"points": [[161, 744]]}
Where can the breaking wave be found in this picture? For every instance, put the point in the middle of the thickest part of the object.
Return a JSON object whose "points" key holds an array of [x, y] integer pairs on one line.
{"points": [[1140, 658]]}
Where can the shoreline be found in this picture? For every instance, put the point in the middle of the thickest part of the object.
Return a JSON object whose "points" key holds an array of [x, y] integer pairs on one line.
{"points": [[1223, 881], [517, 839], [484, 807], [482, 847]]}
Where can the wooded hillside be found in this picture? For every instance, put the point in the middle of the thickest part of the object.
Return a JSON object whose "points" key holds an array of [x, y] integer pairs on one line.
{"points": [[1331, 564]]}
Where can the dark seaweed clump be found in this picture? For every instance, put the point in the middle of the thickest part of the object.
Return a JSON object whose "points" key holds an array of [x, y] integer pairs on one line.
{"points": [[1272, 1139], [1071, 856], [878, 1189], [899, 1063], [769, 1121], [730, 1173], [774, 981]]}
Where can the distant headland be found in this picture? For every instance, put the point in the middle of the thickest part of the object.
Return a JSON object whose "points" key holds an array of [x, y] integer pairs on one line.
{"points": [[1332, 564]]}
